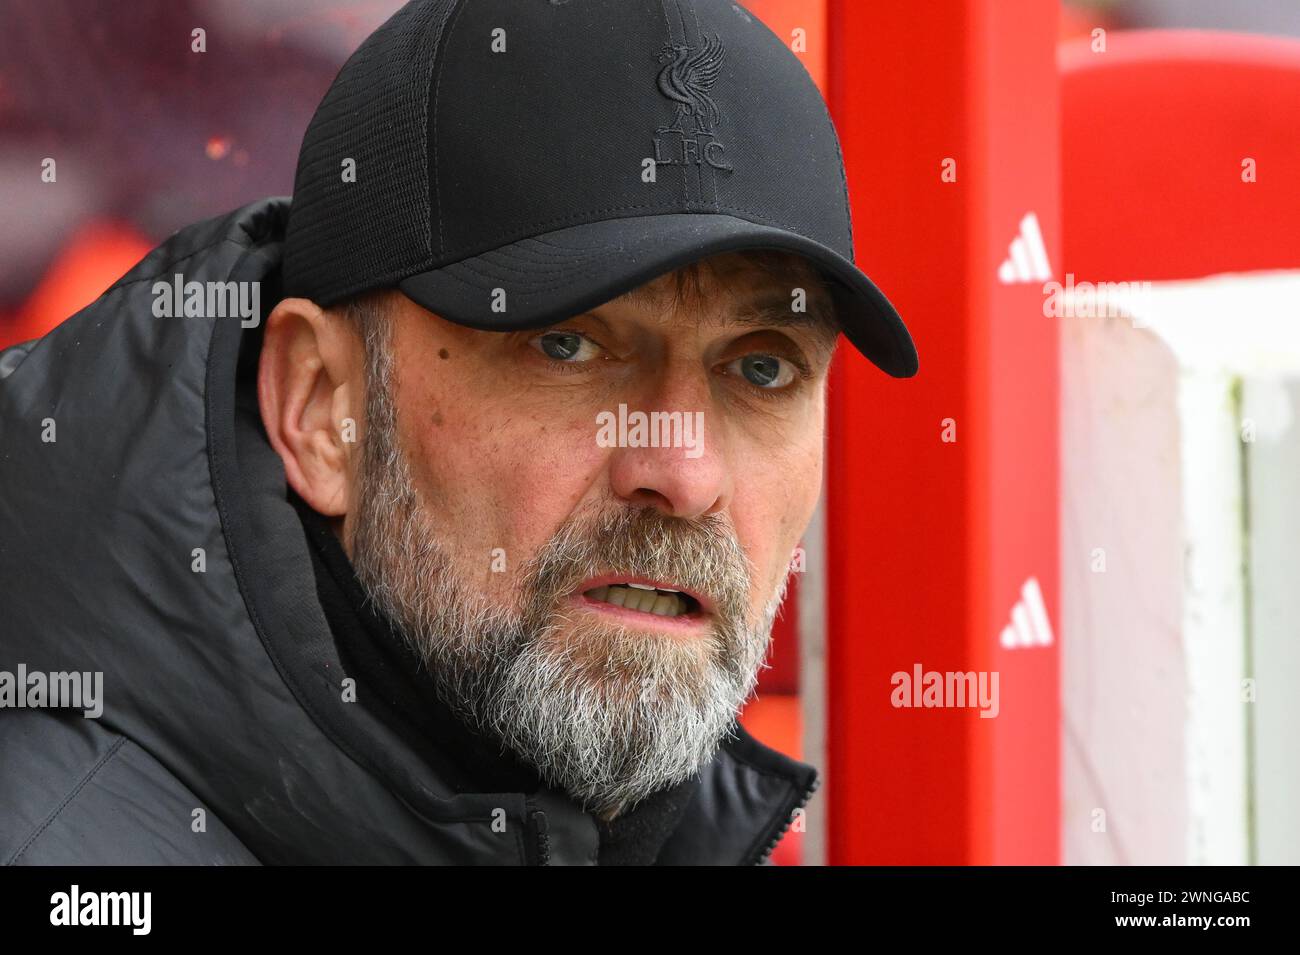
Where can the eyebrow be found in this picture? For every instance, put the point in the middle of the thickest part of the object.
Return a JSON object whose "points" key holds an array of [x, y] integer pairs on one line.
{"points": [[769, 309], [775, 310]]}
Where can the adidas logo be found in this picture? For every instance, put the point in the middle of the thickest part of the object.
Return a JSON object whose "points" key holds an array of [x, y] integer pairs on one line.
{"points": [[1028, 255], [1029, 625]]}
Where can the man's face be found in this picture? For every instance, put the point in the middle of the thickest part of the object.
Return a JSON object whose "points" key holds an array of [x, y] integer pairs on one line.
{"points": [[511, 527]]}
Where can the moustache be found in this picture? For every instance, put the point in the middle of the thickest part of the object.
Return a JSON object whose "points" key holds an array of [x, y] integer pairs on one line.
{"points": [[701, 555]]}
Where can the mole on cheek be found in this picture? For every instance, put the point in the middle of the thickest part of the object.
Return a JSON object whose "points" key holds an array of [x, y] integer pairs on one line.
{"points": [[437, 419], [444, 354]]}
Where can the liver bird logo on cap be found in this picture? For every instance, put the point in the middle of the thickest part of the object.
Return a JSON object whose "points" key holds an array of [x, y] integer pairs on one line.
{"points": [[691, 64], [687, 78]]}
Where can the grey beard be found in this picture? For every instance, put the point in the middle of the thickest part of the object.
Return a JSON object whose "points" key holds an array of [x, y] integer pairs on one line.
{"points": [[604, 712]]}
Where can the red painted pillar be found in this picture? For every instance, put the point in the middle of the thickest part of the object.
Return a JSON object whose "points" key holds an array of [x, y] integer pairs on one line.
{"points": [[944, 553]]}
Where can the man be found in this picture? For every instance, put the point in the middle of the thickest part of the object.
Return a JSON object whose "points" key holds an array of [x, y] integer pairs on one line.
{"points": [[470, 551]]}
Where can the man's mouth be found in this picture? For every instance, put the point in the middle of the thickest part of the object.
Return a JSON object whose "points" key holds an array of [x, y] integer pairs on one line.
{"points": [[656, 599]]}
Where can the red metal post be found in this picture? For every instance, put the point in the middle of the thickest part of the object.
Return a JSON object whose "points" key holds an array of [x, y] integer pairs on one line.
{"points": [[942, 489]]}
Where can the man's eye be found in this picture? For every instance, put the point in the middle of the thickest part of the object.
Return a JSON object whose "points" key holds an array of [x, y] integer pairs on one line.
{"points": [[764, 371], [566, 346]]}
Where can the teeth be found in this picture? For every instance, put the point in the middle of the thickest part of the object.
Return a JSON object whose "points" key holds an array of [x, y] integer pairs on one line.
{"points": [[666, 606], [662, 603], [640, 600]]}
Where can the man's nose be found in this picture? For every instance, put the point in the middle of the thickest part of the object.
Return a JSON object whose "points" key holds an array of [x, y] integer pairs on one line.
{"points": [[670, 453]]}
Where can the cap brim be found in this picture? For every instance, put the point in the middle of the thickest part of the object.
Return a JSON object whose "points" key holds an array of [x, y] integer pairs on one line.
{"points": [[550, 277]]}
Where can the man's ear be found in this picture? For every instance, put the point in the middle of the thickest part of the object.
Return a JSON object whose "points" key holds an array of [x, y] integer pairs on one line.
{"points": [[310, 388]]}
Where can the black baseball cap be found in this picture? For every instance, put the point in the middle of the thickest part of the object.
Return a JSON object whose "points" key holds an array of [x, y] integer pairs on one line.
{"points": [[510, 163]]}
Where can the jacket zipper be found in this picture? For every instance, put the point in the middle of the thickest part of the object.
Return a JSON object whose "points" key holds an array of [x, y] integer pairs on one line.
{"points": [[803, 801], [537, 823]]}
